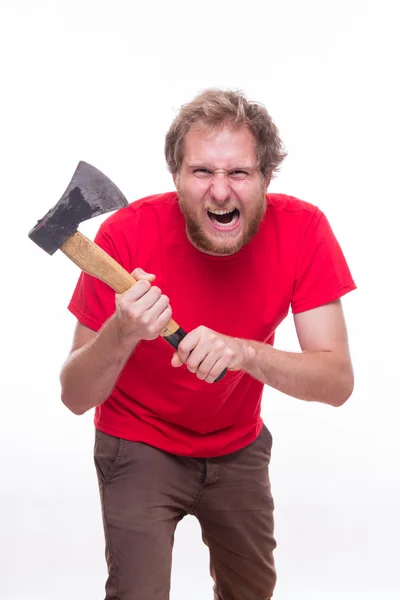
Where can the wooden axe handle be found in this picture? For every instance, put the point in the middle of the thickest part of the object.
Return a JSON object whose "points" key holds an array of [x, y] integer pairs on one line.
{"points": [[92, 259]]}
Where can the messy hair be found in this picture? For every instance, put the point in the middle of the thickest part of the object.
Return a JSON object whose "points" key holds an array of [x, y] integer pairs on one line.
{"points": [[215, 108]]}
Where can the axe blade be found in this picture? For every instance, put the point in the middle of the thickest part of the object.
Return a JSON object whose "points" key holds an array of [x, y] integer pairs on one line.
{"points": [[89, 194]]}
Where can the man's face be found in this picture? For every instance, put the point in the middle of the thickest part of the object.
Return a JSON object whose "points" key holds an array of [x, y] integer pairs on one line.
{"points": [[221, 190]]}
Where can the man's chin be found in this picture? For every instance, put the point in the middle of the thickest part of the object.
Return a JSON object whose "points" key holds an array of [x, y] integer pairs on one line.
{"points": [[214, 245]]}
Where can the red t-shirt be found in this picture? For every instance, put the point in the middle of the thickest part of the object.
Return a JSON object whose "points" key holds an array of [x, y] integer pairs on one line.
{"points": [[294, 261]]}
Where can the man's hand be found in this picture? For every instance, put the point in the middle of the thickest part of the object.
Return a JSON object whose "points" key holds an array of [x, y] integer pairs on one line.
{"points": [[96, 359], [207, 353], [143, 311]]}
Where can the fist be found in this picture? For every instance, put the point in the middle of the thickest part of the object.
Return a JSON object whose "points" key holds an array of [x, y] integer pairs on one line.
{"points": [[207, 353], [143, 311]]}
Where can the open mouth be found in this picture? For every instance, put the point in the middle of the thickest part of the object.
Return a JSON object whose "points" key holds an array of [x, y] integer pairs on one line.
{"points": [[223, 218]]}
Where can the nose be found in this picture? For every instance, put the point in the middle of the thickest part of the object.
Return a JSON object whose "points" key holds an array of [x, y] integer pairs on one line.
{"points": [[220, 189]]}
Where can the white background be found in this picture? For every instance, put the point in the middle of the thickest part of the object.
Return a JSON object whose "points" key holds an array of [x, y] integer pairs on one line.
{"points": [[101, 81]]}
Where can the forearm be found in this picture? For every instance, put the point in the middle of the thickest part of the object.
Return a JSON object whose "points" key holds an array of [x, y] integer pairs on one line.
{"points": [[90, 373], [321, 376]]}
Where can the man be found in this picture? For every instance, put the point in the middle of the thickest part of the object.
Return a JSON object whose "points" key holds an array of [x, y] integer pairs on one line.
{"points": [[230, 259]]}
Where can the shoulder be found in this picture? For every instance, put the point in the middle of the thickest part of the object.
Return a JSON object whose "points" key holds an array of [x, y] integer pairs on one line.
{"points": [[290, 214], [285, 206], [147, 208]]}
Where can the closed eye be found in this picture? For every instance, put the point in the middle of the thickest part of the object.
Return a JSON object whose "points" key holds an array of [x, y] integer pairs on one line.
{"points": [[238, 174], [205, 173], [202, 172]]}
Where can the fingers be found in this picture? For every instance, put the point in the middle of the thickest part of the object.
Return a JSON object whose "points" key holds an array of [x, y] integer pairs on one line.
{"points": [[143, 310], [143, 294], [189, 343], [139, 274], [135, 292], [206, 369], [176, 361], [143, 300], [212, 365], [205, 353], [154, 308], [221, 364]]}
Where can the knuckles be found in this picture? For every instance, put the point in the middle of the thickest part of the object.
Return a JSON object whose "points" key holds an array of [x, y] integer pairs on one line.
{"points": [[191, 364], [147, 318], [201, 373], [229, 353]]}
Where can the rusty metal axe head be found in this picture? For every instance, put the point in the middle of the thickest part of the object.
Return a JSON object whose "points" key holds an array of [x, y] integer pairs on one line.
{"points": [[89, 194]]}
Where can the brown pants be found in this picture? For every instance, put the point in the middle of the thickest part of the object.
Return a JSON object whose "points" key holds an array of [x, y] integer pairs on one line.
{"points": [[145, 493]]}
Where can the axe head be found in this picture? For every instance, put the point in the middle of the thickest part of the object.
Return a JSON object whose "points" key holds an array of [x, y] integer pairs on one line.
{"points": [[89, 194]]}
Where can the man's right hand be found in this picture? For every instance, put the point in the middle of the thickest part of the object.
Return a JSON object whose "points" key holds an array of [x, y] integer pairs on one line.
{"points": [[96, 359], [143, 311]]}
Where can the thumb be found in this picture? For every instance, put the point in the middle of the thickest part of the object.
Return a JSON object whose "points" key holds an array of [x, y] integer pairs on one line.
{"points": [[176, 361], [139, 273]]}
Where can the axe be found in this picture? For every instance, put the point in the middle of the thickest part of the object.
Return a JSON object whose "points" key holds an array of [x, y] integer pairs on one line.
{"points": [[89, 194]]}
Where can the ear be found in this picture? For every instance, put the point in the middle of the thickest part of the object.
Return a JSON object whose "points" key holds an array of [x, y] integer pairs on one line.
{"points": [[175, 179]]}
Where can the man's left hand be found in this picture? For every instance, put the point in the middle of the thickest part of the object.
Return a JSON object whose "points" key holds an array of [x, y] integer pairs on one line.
{"points": [[207, 353]]}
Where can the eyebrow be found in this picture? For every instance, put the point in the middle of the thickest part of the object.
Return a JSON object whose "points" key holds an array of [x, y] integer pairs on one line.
{"points": [[210, 168]]}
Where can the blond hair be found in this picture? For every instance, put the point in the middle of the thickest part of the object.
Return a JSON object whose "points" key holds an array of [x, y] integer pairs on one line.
{"points": [[215, 108]]}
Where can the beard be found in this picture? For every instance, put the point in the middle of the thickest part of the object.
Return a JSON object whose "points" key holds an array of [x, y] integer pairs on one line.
{"points": [[224, 246]]}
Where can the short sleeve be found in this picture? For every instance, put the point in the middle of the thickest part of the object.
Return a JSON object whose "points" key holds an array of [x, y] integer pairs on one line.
{"points": [[93, 301], [322, 273]]}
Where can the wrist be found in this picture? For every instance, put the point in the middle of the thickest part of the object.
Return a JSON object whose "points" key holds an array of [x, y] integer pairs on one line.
{"points": [[120, 340], [248, 355]]}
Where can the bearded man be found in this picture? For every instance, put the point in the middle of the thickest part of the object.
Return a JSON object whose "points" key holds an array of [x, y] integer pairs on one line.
{"points": [[231, 259]]}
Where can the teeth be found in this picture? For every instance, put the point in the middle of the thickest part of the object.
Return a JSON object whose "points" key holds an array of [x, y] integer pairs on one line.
{"points": [[219, 211]]}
